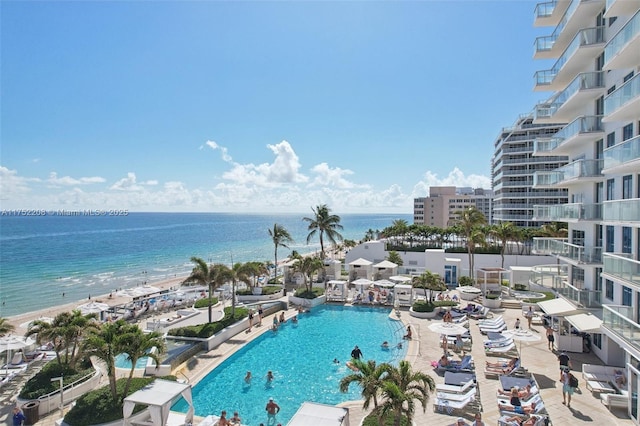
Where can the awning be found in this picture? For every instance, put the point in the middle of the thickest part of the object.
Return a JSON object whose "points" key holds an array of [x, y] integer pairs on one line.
{"points": [[584, 322], [558, 307], [311, 413], [452, 259]]}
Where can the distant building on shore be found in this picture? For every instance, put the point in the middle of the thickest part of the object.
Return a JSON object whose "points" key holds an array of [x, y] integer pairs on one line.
{"points": [[440, 207]]}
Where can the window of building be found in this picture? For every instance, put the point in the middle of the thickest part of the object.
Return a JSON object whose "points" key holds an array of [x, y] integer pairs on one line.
{"points": [[598, 235], [612, 20], [610, 189], [596, 338], [599, 149], [608, 289], [627, 132], [610, 239], [627, 187], [627, 296], [626, 239], [611, 89], [577, 277], [628, 77], [611, 139]]}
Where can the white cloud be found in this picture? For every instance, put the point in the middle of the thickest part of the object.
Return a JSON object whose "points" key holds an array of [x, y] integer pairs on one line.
{"points": [[69, 181], [333, 177], [11, 184], [127, 184], [455, 178], [223, 151]]}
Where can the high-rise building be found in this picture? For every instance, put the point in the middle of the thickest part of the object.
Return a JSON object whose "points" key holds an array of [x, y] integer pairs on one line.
{"points": [[595, 85], [512, 169], [440, 207]]}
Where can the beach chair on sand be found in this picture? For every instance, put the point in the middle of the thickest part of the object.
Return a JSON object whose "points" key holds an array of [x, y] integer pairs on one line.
{"points": [[464, 365]]}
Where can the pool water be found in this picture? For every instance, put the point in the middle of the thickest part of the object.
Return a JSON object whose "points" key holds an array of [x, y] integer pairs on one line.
{"points": [[173, 348], [301, 359]]}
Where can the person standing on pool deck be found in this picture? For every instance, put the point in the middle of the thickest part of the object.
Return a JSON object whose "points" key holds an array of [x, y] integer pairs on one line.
{"points": [[356, 353], [272, 409], [550, 337]]}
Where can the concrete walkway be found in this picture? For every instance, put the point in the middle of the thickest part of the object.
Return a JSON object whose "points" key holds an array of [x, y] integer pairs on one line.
{"points": [[424, 348]]}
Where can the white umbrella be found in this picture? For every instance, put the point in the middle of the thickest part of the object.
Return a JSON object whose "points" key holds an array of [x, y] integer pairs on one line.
{"points": [[11, 343], [362, 282], [523, 336], [447, 328], [399, 279], [92, 308], [384, 283]]}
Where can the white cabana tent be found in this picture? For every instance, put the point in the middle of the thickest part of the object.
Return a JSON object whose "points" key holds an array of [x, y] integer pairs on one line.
{"points": [[337, 290], [403, 294], [384, 269], [159, 396], [311, 413], [360, 268]]}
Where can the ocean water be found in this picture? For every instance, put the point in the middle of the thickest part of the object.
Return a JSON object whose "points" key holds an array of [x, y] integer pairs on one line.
{"points": [[44, 257]]}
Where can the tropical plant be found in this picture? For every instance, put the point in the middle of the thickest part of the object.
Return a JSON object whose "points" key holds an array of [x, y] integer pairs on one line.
{"points": [[137, 344], [554, 230], [213, 276], [394, 257], [239, 272], [5, 327], [280, 237], [429, 281], [369, 377], [504, 231], [469, 220], [307, 266], [400, 388], [324, 224], [464, 281], [255, 270]]}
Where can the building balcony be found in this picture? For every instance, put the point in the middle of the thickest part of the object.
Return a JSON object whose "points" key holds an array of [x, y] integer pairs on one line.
{"points": [[584, 47], [578, 171], [567, 212], [548, 14], [583, 89], [543, 48], [620, 8], [623, 212], [556, 277], [573, 253], [623, 50], [619, 320], [577, 13], [580, 131], [623, 157], [623, 103], [619, 266]]}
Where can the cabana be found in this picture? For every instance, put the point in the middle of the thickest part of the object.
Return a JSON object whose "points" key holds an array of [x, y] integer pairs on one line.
{"points": [[360, 268], [564, 339], [384, 270], [159, 396], [337, 290], [403, 294]]}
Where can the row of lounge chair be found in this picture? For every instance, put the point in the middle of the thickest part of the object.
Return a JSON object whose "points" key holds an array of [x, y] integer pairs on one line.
{"points": [[494, 325], [458, 393], [532, 410]]}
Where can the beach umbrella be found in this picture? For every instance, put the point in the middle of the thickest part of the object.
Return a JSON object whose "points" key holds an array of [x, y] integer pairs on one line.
{"points": [[399, 279], [12, 343], [362, 282], [521, 335], [384, 283], [92, 308], [447, 328]]}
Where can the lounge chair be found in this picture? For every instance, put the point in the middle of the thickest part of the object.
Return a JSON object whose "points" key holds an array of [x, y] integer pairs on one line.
{"points": [[509, 349], [498, 343], [480, 314], [464, 365], [495, 372], [484, 329], [16, 362], [539, 408], [497, 319], [540, 420], [451, 402]]}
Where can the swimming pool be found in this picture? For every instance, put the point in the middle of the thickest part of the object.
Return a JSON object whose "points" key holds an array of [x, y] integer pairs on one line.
{"points": [[173, 348], [301, 359]]}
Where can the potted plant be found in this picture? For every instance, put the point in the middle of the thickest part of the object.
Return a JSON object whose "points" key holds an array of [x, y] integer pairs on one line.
{"points": [[491, 301], [424, 309]]}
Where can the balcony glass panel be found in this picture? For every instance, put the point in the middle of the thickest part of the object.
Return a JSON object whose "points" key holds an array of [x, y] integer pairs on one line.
{"points": [[624, 36], [544, 10], [560, 247], [623, 152], [544, 44], [547, 178], [622, 267], [581, 125], [584, 81], [548, 246], [619, 320], [556, 277], [544, 77], [623, 94], [545, 145], [567, 15], [580, 169], [622, 210], [565, 212], [581, 296]]}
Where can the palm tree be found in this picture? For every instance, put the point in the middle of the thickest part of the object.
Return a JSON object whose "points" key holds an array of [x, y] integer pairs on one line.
{"points": [[429, 281], [369, 377], [307, 265], [554, 230], [106, 343], [280, 237], [400, 388], [324, 224], [238, 272], [137, 344], [468, 221], [212, 276], [504, 231], [394, 257], [5, 327]]}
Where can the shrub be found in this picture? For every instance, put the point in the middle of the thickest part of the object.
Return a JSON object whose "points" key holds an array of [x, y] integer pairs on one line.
{"points": [[41, 383], [444, 303], [421, 306], [388, 420], [204, 302], [520, 287], [207, 330], [465, 281], [98, 407], [305, 294], [548, 295], [491, 296]]}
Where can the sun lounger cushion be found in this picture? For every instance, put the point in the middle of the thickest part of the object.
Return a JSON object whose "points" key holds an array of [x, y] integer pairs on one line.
{"points": [[444, 403]]}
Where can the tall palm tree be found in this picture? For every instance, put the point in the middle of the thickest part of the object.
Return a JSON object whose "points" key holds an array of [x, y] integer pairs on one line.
{"points": [[280, 237], [394, 257], [400, 388], [5, 327], [468, 221], [369, 377], [238, 272], [307, 265], [137, 344], [212, 276], [324, 224], [503, 231], [106, 343], [429, 281]]}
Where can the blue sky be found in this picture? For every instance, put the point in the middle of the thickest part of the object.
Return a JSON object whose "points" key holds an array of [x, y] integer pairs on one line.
{"points": [[256, 106]]}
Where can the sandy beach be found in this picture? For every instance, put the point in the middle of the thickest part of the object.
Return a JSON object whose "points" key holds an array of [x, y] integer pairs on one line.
{"points": [[22, 320]]}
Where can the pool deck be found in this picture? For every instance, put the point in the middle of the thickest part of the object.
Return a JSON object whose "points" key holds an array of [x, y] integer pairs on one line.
{"points": [[424, 348]]}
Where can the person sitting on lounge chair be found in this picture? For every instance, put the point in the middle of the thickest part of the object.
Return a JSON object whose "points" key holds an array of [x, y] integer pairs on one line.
{"points": [[517, 420], [519, 409], [506, 368], [444, 361], [522, 394]]}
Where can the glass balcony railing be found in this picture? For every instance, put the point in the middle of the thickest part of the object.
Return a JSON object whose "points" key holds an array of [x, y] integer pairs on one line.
{"points": [[581, 296], [561, 248], [545, 145], [544, 179], [545, 110], [624, 36], [556, 277], [620, 266], [585, 37], [621, 210], [622, 153], [628, 91], [544, 10], [579, 126], [583, 81], [619, 319], [581, 169], [566, 212]]}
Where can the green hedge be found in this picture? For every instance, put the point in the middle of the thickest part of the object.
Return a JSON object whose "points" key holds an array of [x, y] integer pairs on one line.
{"points": [[207, 330], [388, 420], [266, 290], [98, 407], [204, 302], [41, 383], [421, 306], [479, 250], [548, 295], [305, 294]]}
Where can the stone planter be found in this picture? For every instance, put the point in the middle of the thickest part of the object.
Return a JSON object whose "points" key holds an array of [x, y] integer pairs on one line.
{"points": [[491, 303], [425, 315], [307, 303], [469, 292]]}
